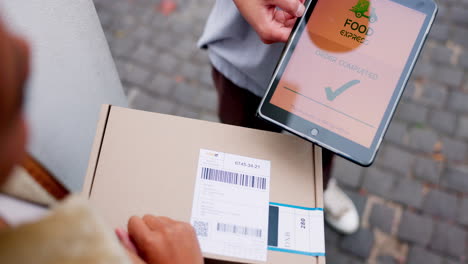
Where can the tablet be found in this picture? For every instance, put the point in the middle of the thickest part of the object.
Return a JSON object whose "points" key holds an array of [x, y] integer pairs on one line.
{"points": [[343, 71]]}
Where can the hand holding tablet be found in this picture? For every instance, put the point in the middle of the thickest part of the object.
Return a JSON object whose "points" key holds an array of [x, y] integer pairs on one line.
{"points": [[343, 71], [273, 20]]}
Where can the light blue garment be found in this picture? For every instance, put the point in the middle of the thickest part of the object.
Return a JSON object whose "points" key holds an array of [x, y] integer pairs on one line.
{"points": [[236, 51]]}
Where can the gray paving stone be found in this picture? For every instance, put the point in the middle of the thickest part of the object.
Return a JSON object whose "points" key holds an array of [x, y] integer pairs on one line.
{"points": [[105, 17], [454, 150], [459, 35], [122, 47], [440, 203], [449, 76], [420, 255], [397, 133], [426, 53], [386, 260], [450, 240], [428, 169], [160, 23], [145, 55], [463, 212], [336, 256], [355, 260], [162, 85], [459, 14], [450, 261], [434, 95], [358, 200], [207, 100], [167, 63], [442, 54], [456, 178], [164, 41], [408, 192], [141, 34], [397, 159], [143, 101], [121, 66], [423, 139], [205, 75], [464, 60], [443, 121], [136, 75], [415, 228], [125, 22], [442, 14], [202, 58], [188, 112], [127, 87], [181, 28], [440, 31], [381, 217], [423, 70], [378, 181], [210, 117], [458, 102], [412, 112], [462, 129], [189, 70], [409, 91], [186, 93], [331, 237], [184, 48], [359, 243], [146, 15], [347, 173]]}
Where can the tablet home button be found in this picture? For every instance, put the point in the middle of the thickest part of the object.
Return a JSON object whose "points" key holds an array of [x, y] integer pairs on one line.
{"points": [[314, 132]]}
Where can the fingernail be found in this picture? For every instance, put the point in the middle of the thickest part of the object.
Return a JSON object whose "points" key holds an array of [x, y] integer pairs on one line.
{"points": [[125, 239], [120, 233], [300, 10]]}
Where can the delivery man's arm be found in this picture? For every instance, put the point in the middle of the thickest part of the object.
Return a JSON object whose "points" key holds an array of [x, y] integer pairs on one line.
{"points": [[270, 23]]}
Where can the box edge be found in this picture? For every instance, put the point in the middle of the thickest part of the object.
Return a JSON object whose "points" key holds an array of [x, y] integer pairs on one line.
{"points": [[96, 150]]}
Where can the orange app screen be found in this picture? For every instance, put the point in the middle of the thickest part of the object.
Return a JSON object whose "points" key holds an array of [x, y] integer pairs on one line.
{"points": [[347, 63]]}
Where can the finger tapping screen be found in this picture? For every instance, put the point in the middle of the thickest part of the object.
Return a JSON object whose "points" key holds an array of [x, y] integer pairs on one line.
{"points": [[347, 63]]}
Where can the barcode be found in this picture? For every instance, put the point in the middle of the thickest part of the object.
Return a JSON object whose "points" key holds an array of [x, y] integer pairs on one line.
{"points": [[201, 228], [242, 230], [234, 178]]}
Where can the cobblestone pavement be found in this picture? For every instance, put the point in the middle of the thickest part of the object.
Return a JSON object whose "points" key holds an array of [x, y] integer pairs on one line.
{"points": [[413, 201]]}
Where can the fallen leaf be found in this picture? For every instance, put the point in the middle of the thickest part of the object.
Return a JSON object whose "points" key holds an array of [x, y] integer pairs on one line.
{"points": [[438, 157], [179, 78], [438, 147], [119, 34], [167, 7]]}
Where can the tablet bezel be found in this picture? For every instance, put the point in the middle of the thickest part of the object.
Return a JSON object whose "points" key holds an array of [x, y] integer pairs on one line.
{"points": [[328, 139]]}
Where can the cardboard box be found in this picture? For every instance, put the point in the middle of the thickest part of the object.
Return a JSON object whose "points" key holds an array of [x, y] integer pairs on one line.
{"points": [[146, 163]]}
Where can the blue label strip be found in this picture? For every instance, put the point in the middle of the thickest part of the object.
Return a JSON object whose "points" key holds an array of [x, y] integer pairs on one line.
{"points": [[298, 207], [273, 229], [313, 254]]}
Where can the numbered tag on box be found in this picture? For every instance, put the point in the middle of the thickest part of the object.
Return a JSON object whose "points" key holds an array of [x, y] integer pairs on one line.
{"points": [[296, 229]]}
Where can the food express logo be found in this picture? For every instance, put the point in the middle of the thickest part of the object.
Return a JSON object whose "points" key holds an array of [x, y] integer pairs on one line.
{"points": [[360, 31]]}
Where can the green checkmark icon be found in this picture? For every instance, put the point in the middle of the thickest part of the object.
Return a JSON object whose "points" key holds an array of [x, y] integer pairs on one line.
{"points": [[331, 95]]}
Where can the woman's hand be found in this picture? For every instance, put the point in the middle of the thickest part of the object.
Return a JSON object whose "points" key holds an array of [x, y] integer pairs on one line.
{"points": [[271, 19], [160, 240]]}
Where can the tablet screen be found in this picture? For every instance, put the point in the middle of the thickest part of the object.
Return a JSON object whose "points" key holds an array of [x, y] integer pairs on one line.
{"points": [[347, 63]]}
